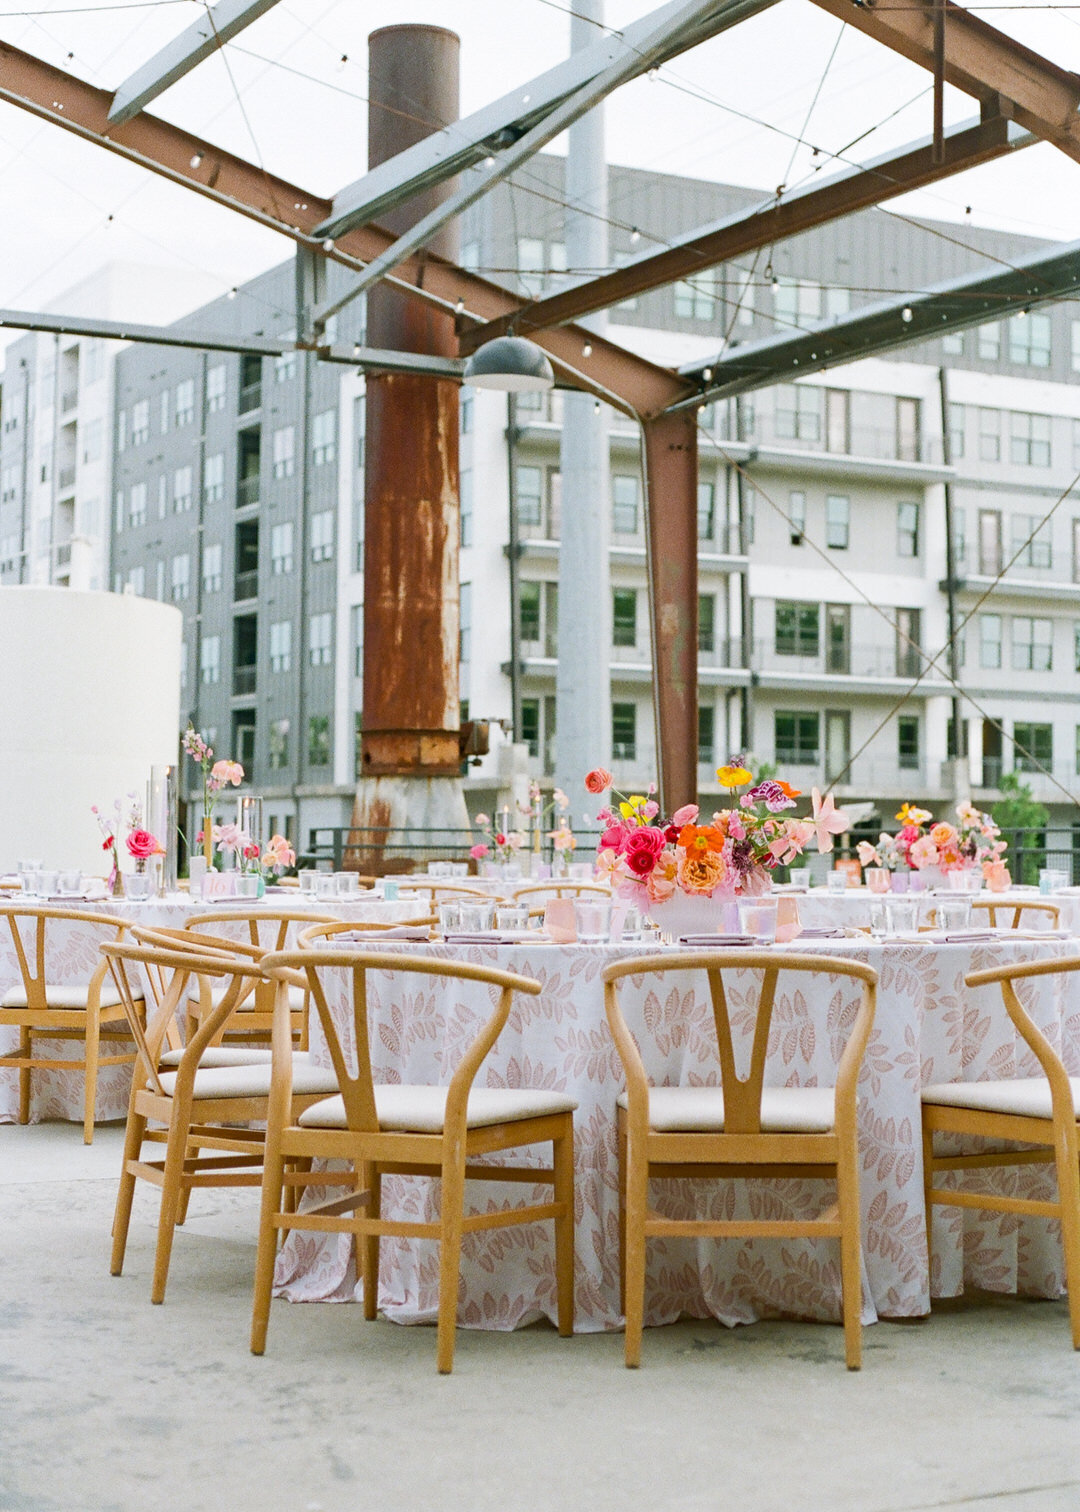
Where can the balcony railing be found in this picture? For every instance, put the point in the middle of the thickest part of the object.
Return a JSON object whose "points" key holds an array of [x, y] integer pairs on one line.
{"points": [[880, 443], [244, 680], [246, 585], [250, 398], [856, 659], [247, 490]]}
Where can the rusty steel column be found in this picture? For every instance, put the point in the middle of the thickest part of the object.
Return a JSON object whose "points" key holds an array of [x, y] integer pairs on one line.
{"points": [[671, 476], [411, 710]]}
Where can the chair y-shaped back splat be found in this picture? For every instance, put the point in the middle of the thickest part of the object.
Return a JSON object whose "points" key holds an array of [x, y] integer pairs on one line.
{"points": [[166, 993], [357, 1091], [34, 981], [742, 1097]]}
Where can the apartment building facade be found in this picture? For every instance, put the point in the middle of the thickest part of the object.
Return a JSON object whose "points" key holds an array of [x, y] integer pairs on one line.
{"points": [[238, 494]]}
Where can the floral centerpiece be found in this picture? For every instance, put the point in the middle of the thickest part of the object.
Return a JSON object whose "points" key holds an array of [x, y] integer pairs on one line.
{"points": [[215, 776], [921, 845], [265, 862], [653, 860], [553, 812], [140, 843], [502, 845], [277, 856]]}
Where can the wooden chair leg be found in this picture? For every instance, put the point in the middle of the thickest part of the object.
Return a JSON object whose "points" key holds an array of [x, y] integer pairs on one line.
{"points": [[563, 1165], [1068, 1175], [847, 1195], [371, 1181], [637, 1193], [266, 1254], [133, 1138], [172, 1181], [24, 1075], [620, 1137], [90, 1075], [928, 1183], [191, 1151], [453, 1211]]}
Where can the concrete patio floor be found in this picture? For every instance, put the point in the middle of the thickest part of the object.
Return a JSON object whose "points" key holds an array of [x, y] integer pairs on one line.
{"points": [[108, 1404]]}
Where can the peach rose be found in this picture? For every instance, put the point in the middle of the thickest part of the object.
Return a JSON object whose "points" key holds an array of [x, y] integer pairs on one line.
{"points": [[702, 871]]}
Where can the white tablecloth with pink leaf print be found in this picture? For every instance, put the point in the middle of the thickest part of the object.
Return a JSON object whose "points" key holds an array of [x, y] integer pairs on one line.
{"points": [[71, 960], [928, 1026]]}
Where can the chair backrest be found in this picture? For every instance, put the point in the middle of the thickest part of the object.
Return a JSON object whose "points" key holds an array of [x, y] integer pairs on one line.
{"points": [[313, 937], [991, 906], [436, 890], [561, 887], [350, 1026], [1048, 1058], [267, 928], [742, 1097], [166, 974], [40, 924]]}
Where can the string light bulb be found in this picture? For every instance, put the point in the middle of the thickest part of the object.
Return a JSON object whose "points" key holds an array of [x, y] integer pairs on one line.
{"points": [[196, 161], [586, 350], [635, 235], [907, 314]]}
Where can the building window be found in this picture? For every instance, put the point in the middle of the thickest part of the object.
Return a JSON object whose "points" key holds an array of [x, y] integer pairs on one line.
{"points": [[989, 435], [1032, 644], [140, 422], [706, 506], [837, 421], [285, 364], [465, 622], [989, 640], [180, 577], [837, 302], [214, 478], [989, 542], [281, 552], [909, 662], [907, 430], [797, 516], [796, 629], [907, 528], [279, 744], [319, 640], [837, 520], [137, 504], [284, 451], [530, 725], [215, 389], [952, 344], [1076, 647], [1029, 440], [1030, 541], [695, 298], [136, 581], [741, 295], [1033, 747], [625, 499], [798, 412], [210, 659], [796, 739], [322, 535], [838, 638], [990, 342], [324, 437], [185, 402], [1029, 340], [957, 420], [281, 646], [183, 490], [530, 260], [624, 731], [465, 515], [624, 617], [706, 622], [318, 748], [959, 535], [529, 487], [212, 559], [907, 741], [529, 611], [796, 301], [706, 734]]}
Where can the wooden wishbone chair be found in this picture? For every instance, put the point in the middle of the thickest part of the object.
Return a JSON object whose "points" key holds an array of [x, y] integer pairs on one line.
{"points": [[90, 1012], [561, 888], [317, 934], [419, 1130], [203, 1093], [1035, 907], [741, 1129], [1039, 1111], [438, 891]]}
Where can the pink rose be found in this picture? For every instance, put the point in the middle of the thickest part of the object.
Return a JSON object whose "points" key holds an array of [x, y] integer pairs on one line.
{"points": [[478, 852], [643, 847], [685, 815], [141, 844], [614, 837]]}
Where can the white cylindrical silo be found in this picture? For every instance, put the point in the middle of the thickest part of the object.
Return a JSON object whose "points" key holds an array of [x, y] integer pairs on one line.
{"points": [[89, 701]]}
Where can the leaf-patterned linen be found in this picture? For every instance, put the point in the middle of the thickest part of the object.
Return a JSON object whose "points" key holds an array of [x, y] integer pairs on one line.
{"points": [[928, 1026]]}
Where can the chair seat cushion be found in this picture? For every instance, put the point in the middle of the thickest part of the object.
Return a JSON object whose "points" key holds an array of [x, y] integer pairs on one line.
{"points": [[1023, 1097], [252, 1080], [224, 1055], [784, 1110], [62, 997], [296, 998], [422, 1110]]}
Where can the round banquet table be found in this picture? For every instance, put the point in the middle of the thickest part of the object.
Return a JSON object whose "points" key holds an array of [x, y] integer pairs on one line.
{"points": [[929, 1027], [820, 909], [72, 958]]}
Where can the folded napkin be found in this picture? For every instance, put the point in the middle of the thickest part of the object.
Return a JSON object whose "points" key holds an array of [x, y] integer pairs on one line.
{"points": [[822, 934], [963, 936], [721, 939], [497, 937], [373, 936]]}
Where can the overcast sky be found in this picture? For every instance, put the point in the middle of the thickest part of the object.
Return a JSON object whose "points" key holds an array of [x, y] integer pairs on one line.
{"points": [[290, 93]]}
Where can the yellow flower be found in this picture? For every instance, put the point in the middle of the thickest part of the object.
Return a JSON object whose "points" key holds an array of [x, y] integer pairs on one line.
{"points": [[733, 776], [909, 814], [631, 809]]}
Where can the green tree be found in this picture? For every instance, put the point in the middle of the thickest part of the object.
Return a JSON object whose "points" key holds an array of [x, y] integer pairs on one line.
{"points": [[1022, 821]]}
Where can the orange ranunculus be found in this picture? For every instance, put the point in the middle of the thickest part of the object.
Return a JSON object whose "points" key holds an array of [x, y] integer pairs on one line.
{"points": [[598, 780], [787, 790], [702, 871], [699, 838]]}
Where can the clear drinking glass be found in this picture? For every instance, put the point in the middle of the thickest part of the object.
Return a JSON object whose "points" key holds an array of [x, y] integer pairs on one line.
{"points": [[757, 917], [901, 915], [511, 916], [799, 878], [449, 918], [477, 917], [592, 920], [137, 886], [325, 885], [954, 913], [307, 882], [836, 882], [348, 884], [878, 920]]}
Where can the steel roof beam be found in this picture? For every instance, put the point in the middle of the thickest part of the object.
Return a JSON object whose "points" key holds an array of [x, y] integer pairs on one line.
{"points": [[854, 189], [954, 305], [979, 60], [467, 142], [184, 53], [609, 372]]}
